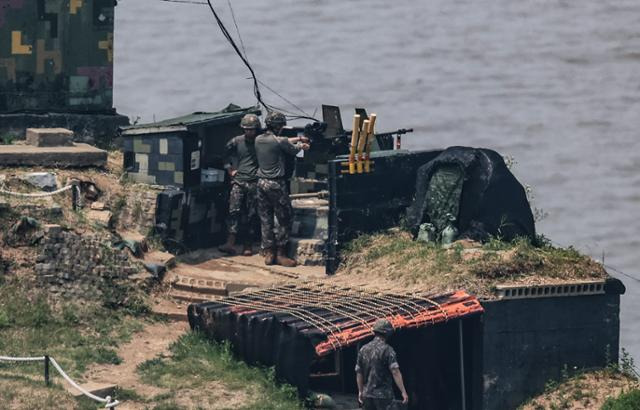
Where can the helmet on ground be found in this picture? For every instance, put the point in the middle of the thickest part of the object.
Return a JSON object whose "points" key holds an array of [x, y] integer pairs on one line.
{"points": [[275, 118], [250, 121], [383, 327]]}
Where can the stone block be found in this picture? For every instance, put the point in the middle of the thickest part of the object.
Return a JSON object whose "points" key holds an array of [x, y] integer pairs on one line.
{"points": [[102, 218], [98, 206], [49, 137], [78, 155], [45, 181], [53, 231]]}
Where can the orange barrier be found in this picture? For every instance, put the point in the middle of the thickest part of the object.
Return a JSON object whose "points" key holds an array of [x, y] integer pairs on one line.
{"points": [[457, 305]]}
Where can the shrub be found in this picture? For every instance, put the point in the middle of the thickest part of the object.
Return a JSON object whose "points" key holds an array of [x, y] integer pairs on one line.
{"points": [[626, 401]]}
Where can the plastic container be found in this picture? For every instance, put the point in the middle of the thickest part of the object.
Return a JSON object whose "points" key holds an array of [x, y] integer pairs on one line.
{"points": [[211, 176]]}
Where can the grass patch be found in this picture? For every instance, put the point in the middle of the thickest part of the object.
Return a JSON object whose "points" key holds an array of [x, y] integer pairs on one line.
{"points": [[626, 401], [209, 373], [397, 259], [587, 390], [75, 335]]}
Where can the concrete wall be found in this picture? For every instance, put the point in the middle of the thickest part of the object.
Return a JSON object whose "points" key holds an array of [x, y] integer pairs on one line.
{"points": [[526, 343], [56, 55]]}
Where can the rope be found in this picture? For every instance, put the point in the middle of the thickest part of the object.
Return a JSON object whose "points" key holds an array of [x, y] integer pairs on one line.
{"points": [[21, 359], [107, 400], [36, 195]]}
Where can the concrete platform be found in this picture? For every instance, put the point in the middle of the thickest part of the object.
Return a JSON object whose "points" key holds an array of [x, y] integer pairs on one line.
{"points": [[78, 155]]}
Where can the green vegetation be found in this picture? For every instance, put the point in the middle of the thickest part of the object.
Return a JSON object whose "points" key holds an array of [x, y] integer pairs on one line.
{"points": [[586, 389], [475, 267], [7, 139], [626, 401], [75, 335], [209, 371]]}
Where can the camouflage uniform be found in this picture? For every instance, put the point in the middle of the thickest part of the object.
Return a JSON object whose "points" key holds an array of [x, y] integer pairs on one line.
{"points": [[273, 198], [242, 208], [242, 199], [375, 361], [273, 191]]}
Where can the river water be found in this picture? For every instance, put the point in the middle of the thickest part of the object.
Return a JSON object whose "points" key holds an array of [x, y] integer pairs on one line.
{"points": [[554, 84]]}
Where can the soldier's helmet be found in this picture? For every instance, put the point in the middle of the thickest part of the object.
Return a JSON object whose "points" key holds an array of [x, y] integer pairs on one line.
{"points": [[250, 121], [275, 118], [383, 327]]}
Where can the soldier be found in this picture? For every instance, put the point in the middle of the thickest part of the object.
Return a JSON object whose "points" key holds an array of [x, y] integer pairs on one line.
{"points": [[273, 192], [375, 367], [242, 166]]}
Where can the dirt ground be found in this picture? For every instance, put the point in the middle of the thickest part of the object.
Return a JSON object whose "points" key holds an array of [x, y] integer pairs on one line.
{"points": [[151, 342], [586, 391]]}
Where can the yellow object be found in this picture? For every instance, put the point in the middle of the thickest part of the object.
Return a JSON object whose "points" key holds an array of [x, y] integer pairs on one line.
{"points": [[354, 140], [74, 5], [16, 44], [370, 135], [362, 141], [107, 45]]}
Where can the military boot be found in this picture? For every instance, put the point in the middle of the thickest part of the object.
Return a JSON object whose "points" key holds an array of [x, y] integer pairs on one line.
{"points": [[246, 249], [228, 247], [282, 258], [269, 256]]}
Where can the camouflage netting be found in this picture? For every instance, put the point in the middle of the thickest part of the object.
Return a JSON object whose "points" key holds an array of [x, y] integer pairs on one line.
{"points": [[477, 188]]}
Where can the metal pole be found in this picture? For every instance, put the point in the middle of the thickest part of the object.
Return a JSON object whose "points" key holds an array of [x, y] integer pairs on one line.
{"points": [[46, 371], [464, 404], [75, 198]]}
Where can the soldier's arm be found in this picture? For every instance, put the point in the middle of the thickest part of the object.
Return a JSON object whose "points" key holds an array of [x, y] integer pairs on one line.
{"points": [[289, 148], [229, 153], [394, 368], [397, 378]]}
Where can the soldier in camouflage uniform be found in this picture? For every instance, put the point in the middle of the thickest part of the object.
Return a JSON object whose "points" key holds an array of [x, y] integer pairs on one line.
{"points": [[242, 166], [273, 191], [376, 367]]}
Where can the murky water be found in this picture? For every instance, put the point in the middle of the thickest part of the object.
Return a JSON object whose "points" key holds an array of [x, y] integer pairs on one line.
{"points": [[555, 84]]}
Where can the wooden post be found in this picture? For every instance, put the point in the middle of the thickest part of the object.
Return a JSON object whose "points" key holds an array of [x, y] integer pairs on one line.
{"points": [[354, 140], [370, 136], [361, 145], [75, 194], [47, 382]]}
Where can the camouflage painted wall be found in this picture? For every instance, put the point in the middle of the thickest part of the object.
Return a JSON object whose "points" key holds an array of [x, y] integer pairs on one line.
{"points": [[56, 55]]}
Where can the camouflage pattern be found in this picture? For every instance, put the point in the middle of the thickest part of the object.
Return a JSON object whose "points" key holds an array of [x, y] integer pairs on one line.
{"points": [[56, 55], [250, 121], [275, 118], [383, 326], [273, 199], [375, 361], [443, 195], [242, 208]]}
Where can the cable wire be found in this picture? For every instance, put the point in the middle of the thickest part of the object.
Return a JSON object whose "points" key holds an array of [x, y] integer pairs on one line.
{"points": [[225, 32]]}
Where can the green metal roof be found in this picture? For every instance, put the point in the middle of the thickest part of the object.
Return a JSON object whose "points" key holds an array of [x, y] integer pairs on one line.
{"points": [[231, 113]]}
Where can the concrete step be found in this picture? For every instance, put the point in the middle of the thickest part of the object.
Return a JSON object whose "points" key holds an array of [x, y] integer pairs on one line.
{"points": [[78, 155], [310, 218], [170, 310], [307, 252], [161, 258], [192, 297]]}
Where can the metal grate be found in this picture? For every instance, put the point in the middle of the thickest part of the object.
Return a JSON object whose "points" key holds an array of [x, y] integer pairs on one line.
{"points": [[346, 314]]}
